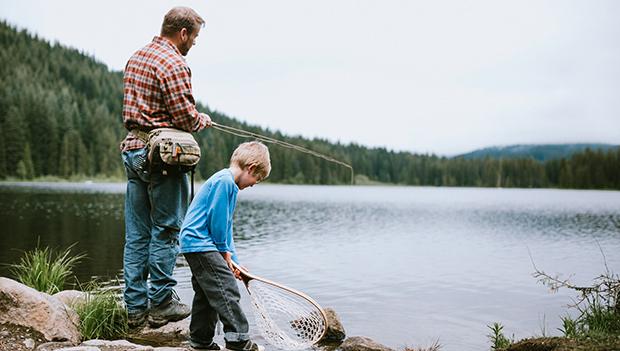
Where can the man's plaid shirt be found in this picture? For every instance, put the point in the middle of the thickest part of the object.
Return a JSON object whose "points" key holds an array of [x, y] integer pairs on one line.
{"points": [[158, 92]]}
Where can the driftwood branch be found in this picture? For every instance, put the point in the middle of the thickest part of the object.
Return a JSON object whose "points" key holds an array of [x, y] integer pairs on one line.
{"points": [[604, 290]]}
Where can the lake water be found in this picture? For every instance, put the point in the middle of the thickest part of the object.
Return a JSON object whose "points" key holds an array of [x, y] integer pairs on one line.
{"points": [[404, 266]]}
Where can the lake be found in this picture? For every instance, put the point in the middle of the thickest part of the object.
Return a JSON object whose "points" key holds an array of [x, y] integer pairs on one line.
{"points": [[404, 266]]}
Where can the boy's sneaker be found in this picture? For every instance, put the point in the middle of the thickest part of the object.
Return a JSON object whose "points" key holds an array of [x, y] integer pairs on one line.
{"points": [[246, 345], [200, 346], [136, 320], [171, 311]]}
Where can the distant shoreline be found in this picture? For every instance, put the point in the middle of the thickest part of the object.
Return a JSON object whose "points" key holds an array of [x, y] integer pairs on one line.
{"points": [[118, 185]]}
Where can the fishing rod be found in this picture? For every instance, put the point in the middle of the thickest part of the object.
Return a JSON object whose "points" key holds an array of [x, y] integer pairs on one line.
{"points": [[246, 134]]}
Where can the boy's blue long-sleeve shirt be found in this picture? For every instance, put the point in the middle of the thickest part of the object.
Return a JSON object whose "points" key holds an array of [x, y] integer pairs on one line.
{"points": [[208, 224]]}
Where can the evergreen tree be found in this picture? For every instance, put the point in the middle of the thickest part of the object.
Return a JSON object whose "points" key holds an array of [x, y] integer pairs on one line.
{"points": [[25, 168], [3, 172]]}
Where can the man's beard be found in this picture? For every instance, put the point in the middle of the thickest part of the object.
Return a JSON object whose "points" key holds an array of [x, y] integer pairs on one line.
{"points": [[184, 49]]}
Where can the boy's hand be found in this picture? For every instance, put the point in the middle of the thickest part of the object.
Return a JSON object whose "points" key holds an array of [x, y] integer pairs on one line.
{"points": [[228, 258]]}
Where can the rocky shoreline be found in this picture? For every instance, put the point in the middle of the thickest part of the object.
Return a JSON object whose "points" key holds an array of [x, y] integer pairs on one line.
{"points": [[32, 320]]}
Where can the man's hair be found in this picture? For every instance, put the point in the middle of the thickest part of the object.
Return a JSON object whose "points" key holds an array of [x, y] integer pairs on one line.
{"points": [[179, 18], [253, 153]]}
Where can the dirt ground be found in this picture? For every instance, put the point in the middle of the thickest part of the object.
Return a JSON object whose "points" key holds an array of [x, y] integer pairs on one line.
{"points": [[564, 344], [18, 338]]}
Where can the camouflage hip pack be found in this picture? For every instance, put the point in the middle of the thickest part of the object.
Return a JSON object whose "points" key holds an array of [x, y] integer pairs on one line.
{"points": [[171, 148]]}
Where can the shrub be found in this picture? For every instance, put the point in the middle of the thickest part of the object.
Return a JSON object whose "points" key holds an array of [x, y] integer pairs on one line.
{"points": [[599, 312]]}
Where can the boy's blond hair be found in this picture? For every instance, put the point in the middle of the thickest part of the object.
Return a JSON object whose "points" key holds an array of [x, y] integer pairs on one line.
{"points": [[253, 153]]}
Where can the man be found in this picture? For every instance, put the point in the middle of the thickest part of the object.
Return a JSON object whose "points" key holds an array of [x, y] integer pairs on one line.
{"points": [[157, 93]]}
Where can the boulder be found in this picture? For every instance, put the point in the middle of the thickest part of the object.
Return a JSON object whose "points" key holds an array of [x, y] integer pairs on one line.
{"points": [[361, 343], [335, 330], [23, 305], [173, 331], [71, 297]]}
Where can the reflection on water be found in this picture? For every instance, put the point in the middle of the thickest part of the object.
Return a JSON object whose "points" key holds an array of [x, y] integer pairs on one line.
{"points": [[402, 265], [58, 219]]}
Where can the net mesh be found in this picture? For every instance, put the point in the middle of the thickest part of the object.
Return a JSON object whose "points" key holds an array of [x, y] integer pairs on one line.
{"points": [[287, 321]]}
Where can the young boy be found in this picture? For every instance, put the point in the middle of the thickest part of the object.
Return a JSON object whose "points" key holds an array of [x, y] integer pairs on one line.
{"points": [[207, 243]]}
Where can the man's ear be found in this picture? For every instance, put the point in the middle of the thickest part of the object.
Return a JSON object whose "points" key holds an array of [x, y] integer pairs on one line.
{"points": [[184, 34]]}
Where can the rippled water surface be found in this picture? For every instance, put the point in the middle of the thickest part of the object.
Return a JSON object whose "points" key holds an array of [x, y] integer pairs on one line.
{"points": [[403, 265]]}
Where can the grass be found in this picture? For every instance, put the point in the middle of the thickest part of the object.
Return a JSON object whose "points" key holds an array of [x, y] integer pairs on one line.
{"points": [[596, 320], [435, 346], [498, 340], [597, 304], [102, 315], [595, 328], [46, 270]]}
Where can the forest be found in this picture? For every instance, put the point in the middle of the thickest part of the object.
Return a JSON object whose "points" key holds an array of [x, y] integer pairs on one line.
{"points": [[60, 117]]}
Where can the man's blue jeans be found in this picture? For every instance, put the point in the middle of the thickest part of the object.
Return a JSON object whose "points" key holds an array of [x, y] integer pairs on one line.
{"points": [[155, 205]]}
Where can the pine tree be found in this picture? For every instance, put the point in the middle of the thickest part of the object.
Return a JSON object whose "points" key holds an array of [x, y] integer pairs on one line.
{"points": [[3, 172], [25, 168]]}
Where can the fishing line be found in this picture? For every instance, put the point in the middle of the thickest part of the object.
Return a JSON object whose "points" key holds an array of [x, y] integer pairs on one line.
{"points": [[246, 134]]}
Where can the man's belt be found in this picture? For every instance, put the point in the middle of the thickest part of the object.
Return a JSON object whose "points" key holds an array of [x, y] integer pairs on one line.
{"points": [[142, 135]]}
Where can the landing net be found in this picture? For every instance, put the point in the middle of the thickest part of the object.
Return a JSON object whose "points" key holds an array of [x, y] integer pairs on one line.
{"points": [[286, 320]]}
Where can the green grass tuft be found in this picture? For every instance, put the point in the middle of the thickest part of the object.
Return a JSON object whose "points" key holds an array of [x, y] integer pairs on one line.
{"points": [[498, 340], [102, 315], [45, 270]]}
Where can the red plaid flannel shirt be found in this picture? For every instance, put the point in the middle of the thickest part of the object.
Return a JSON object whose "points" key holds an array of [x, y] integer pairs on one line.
{"points": [[158, 92]]}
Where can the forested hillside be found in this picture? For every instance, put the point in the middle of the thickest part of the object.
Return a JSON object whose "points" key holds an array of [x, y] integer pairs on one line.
{"points": [[60, 115], [543, 152]]}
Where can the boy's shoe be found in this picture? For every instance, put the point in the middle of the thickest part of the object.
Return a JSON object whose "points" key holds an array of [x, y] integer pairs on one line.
{"points": [[200, 346], [136, 320], [245, 345], [170, 311]]}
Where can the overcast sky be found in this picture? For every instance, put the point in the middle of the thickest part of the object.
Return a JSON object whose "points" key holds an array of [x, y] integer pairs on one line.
{"points": [[424, 76]]}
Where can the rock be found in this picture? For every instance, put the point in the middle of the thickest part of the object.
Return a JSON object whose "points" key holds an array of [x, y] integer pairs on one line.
{"points": [[22, 305], [361, 343], [19, 338], [29, 343], [116, 345], [54, 345], [104, 345], [335, 330], [71, 297], [169, 332], [107, 343]]}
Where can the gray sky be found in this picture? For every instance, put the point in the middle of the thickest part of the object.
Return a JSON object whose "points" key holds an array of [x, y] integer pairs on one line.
{"points": [[424, 76]]}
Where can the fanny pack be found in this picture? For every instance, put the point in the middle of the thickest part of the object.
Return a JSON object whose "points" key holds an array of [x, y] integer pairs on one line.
{"points": [[170, 148]]}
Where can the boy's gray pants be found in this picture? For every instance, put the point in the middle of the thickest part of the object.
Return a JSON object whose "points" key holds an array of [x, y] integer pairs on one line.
{"points": [[216, 296]]}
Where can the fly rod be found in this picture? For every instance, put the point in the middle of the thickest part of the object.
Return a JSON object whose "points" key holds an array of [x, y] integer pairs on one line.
{"points": [[246, 134]]}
